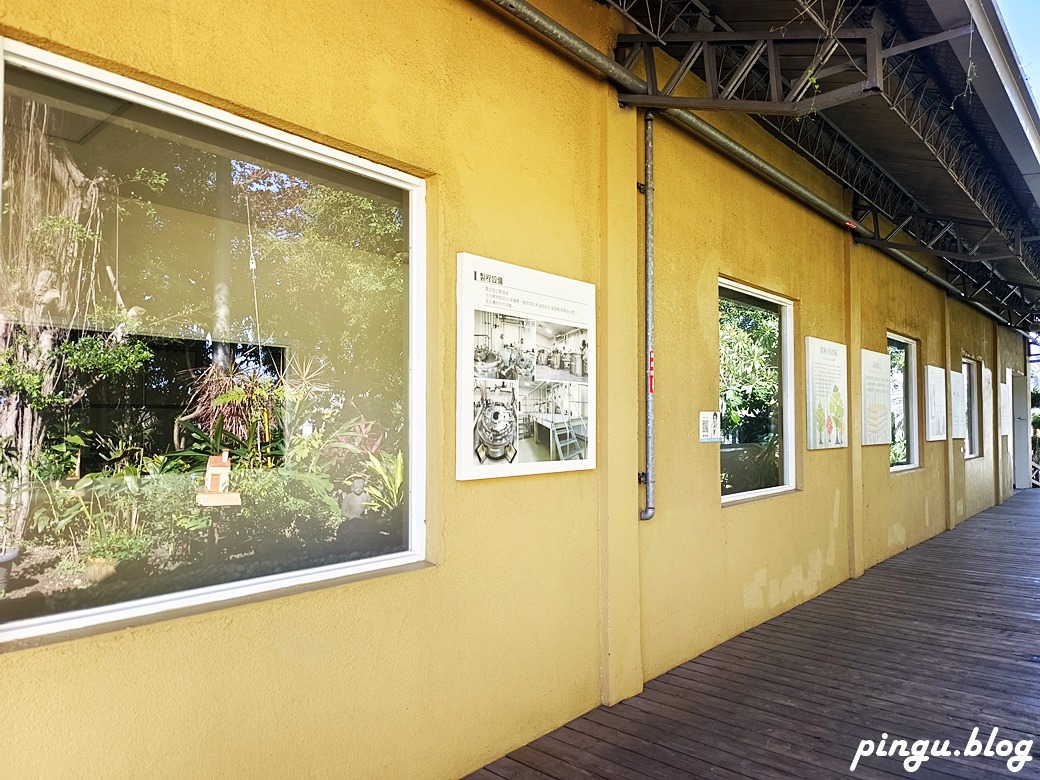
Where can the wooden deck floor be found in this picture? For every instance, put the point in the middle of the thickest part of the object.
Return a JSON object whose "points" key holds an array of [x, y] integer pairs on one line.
{"points": [[927, 645]]}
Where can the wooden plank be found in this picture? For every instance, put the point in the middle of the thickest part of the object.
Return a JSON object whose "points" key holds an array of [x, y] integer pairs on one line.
{"points": [[835, 679], [484, 774], [665, 765], [550, 765], [706, 755], [817, 690], [511, 769], [825, 733], [781, 753], [862, 720], [586, 755], [927, 663]]}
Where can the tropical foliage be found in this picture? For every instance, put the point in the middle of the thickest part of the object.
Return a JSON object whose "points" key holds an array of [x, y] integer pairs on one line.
{"points": [[153, 317], [749, 395], [899, 452]]}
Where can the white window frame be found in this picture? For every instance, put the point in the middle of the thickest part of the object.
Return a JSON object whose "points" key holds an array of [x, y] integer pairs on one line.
{"points": [[973, 439], [912, 433], [787, 420], [61, 68]]}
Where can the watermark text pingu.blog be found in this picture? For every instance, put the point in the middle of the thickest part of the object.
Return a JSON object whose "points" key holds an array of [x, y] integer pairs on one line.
{"points": [[916, 752]]}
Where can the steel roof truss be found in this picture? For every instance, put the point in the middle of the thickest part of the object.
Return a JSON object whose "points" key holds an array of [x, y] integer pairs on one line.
{"points": [[942, 236], [760, 89], [727, 85]]}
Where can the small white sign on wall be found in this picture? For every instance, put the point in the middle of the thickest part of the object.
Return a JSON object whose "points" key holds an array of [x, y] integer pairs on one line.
{"points": [[826, 394], [710, 427], [876, 397], [1005, 409], [958, 406], [935, 403], [986, 421]]}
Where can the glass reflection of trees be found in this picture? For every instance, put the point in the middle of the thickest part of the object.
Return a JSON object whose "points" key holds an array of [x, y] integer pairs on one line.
{"points": [[168, 292], [749, 392]]}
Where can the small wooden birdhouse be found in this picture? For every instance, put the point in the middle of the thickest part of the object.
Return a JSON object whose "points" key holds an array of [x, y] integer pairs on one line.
{"points": [[218, 473], [216, 490]]}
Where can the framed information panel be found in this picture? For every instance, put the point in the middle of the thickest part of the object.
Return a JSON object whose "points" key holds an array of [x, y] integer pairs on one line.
{"points": [[526, 379]]}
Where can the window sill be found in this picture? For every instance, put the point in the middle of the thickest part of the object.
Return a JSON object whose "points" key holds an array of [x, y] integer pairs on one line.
{"points": [[34, 632], [757, 495], [905, 468], [978, 456]]}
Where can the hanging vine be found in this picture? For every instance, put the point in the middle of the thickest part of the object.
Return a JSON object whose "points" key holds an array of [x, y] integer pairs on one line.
{"points": [[63, 325]]}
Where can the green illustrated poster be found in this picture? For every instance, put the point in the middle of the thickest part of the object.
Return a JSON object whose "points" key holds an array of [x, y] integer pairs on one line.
{"points": [[827, 395]]}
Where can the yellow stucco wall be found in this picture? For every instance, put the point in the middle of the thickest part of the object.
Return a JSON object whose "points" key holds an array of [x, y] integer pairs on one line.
{"points": [[547, 595], [976, 489], [1010, 357], [708, 572], [902, 508], [419, 674]]}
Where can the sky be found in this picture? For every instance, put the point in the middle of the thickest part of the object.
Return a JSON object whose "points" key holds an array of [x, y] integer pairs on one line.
{"points": [[1022, 19]]}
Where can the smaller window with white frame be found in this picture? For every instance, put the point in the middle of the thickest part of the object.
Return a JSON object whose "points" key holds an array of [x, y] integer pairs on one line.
{"points": [[902, 353], [972, 442], [755, 392]]}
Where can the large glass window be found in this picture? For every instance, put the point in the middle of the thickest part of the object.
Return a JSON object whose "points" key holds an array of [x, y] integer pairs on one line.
{"points": [[204, 354], [972, 447], [754, 397], [902, 356]]}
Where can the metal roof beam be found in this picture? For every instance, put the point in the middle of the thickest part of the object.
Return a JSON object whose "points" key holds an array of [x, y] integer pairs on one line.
{"points": [[746, 51], [745, 36], [903, 48], [967, 257]]}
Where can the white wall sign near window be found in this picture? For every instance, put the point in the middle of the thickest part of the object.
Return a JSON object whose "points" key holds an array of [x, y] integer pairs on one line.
{"points": [[526, 371], [710, 427], [876, 397], [987, 403], [1005, 409], [959, 406], [935, 403], [826, 388]]}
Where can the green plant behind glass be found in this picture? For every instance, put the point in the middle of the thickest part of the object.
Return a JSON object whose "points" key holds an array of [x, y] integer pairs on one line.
{"points": [[386, 487], [899, 452], [749, 372]]}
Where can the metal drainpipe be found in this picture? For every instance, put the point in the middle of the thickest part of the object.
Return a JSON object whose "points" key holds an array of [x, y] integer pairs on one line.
{"points": [[620, 75], [648, 234]]}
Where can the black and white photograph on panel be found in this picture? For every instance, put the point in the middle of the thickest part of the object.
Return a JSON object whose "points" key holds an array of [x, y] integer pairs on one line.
{"points": [[562, 353], [553, 422], [525, 371], [495, 421], [503, 346]]}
